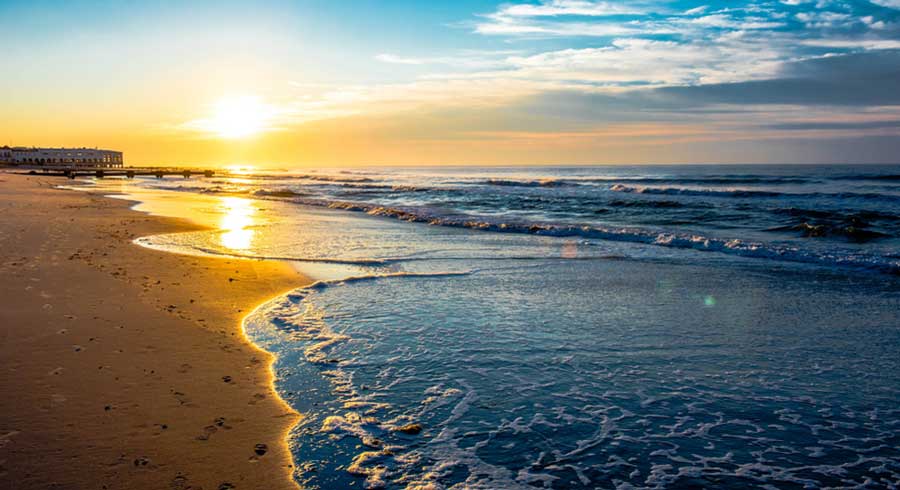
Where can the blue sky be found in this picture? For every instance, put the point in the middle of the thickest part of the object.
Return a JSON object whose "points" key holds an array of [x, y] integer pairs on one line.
{"points": [[555, 81]]}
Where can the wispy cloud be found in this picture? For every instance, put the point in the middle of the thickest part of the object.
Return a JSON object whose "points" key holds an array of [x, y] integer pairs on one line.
{"points": [[639, 62], [392, 58], [864, 44], [894, 4], [562, 18]]}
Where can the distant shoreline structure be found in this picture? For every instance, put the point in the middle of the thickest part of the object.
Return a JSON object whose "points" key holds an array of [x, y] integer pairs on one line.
{"points": [[78, 157]]}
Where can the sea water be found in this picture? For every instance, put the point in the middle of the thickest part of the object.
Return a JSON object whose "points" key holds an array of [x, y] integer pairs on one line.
{"points": [[591, 327]]}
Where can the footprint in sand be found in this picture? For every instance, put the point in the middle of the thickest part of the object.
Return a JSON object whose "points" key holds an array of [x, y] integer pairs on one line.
{"points": [[5, 439], [141, 462], [180, 482], [260, 449], [207, 431]]}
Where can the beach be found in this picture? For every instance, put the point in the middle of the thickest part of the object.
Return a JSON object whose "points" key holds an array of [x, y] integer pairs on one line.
{"points": [[125, 367]]}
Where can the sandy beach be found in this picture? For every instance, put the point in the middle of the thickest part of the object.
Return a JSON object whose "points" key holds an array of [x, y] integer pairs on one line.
{"points": [[123, 367]]}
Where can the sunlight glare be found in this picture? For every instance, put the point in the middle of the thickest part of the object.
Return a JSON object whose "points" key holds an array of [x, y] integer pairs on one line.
{"points": [[240, 169], [240, 117], [236, 223]]}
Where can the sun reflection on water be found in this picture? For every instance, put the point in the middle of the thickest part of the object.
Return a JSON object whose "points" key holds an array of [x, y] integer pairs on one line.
{"points": [[240, 169], [236, 223]]}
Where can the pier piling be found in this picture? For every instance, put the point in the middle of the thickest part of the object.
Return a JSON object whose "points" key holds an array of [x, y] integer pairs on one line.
{"points": [[129, 172]]}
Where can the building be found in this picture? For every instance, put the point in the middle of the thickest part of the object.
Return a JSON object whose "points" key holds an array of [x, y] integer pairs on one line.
{"points": [[61, 157]]}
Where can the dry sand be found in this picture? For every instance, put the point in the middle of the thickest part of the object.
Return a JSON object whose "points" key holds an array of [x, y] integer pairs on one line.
{"points": [[123, 367]]}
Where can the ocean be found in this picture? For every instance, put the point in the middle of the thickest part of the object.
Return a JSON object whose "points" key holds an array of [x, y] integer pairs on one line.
{"points": [[572, 327]]}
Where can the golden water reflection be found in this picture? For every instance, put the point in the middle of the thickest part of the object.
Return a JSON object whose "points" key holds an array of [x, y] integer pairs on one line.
{"points": [[237, 223]]}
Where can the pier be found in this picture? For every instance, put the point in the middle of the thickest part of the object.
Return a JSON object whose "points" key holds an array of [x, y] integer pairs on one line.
{"points": [[128, 172]]}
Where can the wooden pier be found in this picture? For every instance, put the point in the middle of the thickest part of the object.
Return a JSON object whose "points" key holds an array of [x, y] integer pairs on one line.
{"points": [[129, 172]]}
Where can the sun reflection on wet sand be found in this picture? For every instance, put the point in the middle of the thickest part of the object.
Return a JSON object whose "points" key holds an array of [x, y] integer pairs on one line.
{"points": [[236, 223]]}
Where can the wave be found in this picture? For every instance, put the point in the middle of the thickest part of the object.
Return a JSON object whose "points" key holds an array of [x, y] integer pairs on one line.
{"points": [[148, 243], [414, 188], [575, 181], [857, 234], [319, 285], [850, 259], [724, 180], [619, 203], [887, 177], [299, 176], [281, 192], [203, 189], [863, 214], [333, 178], [527, 183], [739, 193], [679, 191], [347, 188], [853, 226]]}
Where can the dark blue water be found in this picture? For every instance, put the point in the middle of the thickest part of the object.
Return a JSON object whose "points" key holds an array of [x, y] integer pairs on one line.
{"points": [[607, 327], [594, 374]]}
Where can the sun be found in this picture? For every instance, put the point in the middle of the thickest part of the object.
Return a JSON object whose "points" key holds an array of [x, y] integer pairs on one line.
{"points": [[239, 117]]}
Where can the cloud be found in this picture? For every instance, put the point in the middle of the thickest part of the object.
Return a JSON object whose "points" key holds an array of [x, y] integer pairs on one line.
{"points": [[866, 44], [863, 79], [726, 21], [561, 18], [466, 59], [392, 58], [635, 61], [506, 26], [555, 8], [696, 11], [894, 4], [836, 126], [854, 94]]}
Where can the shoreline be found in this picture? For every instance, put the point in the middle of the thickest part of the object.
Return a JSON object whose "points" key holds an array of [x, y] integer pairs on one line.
{"points": [[125, 375]]}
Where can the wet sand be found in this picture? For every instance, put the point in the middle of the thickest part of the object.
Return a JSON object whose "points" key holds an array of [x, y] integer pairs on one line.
{"points": [[124, 367]]}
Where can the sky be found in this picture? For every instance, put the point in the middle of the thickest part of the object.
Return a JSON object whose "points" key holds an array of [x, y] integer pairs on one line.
{"points": [[464, 82]]}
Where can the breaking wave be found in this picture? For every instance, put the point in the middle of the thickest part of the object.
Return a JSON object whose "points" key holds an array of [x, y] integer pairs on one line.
{"points": [[528, 183], [744, 248], [675, 191]]}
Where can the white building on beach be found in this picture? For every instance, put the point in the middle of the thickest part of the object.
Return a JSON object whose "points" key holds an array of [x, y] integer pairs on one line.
{"points": [[61, 157]]}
